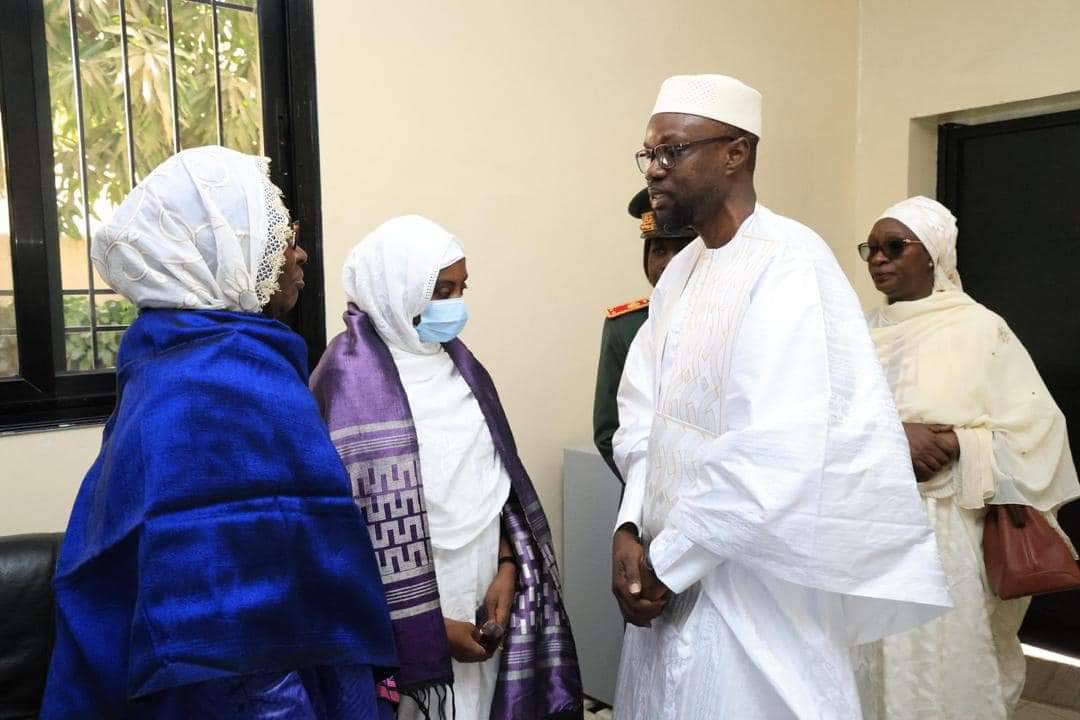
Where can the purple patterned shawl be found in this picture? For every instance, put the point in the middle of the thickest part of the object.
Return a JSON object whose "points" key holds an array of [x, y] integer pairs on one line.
{"points": [[365, 406]]}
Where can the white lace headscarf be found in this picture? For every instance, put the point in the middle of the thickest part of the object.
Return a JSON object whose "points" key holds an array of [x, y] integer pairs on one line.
{"points": [[206, 230], [391, 274], [935, 227]]}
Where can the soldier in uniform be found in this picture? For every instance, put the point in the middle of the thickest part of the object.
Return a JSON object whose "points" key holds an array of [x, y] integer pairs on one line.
{"points": [[624, 320]]}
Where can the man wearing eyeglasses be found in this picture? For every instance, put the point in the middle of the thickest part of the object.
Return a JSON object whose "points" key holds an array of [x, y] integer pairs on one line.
{"points": [[770, 519], [623, 322]]}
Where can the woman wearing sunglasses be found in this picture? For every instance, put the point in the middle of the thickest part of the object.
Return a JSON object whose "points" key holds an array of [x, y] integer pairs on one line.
{"points": [[983, 430]]}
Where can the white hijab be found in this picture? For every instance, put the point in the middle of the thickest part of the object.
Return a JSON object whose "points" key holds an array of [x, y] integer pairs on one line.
{"points": [[206, 230], [950, 360], [391, 274], [935, 227]]}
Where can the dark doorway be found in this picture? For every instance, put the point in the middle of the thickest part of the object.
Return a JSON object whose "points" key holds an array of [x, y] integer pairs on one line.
{"points": [[1015, 189]]}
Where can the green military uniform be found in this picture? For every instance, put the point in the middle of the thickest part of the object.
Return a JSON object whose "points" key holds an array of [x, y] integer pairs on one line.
{"points": [[622, 324]]}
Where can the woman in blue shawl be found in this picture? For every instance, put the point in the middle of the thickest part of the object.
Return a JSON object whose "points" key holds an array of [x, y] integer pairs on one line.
{"points": [[215, 564]]}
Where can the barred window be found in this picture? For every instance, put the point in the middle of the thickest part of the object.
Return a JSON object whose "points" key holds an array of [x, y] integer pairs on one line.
{"points": [[116, 87], [9, 337]]}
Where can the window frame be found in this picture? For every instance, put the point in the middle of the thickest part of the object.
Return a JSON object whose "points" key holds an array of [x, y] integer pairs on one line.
{"points": [[42, 396]]}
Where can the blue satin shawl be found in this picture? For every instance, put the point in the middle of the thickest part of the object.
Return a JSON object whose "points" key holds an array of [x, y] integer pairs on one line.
{"points": [[215, 535]]}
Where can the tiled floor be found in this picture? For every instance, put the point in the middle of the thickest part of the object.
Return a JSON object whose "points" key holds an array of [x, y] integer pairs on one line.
{"points": [[1055, 684], [1027, 711], [1051, 688]]}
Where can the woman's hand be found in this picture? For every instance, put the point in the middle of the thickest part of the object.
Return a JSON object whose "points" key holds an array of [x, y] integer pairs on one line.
{"points": [[947, 439], [464, 639], [933, 447], [499, 599]]}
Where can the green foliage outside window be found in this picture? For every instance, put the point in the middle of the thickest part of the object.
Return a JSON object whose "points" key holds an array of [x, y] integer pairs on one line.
{"points": [[9, 346], [78, 347], [107, 179], [99, 35]]}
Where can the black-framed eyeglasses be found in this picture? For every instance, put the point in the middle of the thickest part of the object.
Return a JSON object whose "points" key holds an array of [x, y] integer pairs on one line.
{"points": [[293, 236], [891, 248], [665, 155]]}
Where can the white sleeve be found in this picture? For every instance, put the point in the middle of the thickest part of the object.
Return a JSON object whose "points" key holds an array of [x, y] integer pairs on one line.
{"points": [[631, 441], [810, 481], [754, 495]]}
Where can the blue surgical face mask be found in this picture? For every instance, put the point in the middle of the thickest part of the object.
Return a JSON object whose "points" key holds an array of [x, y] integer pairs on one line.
{"points": [[442, 320]]}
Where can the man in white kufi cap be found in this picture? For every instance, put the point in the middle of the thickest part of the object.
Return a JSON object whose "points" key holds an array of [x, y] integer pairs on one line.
{"points": [[771, 519]]}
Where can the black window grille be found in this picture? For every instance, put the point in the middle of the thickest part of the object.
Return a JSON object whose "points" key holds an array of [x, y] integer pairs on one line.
{"points": [[93, 95]]}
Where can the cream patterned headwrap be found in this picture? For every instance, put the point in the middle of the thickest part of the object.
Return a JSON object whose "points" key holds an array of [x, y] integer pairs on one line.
{"points": [[935, 227], [392, 273], [206, 230]]}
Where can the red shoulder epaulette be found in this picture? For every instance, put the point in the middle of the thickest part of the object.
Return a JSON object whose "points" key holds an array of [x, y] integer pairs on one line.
{"points": [[619, 310]]}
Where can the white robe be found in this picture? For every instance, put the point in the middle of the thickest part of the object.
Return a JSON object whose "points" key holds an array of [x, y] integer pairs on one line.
{"points": [[464, 575], [465, 489], [952, 361], [768, 472]]}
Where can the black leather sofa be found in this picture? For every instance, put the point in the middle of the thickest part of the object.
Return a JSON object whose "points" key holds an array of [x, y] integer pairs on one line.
{"points": [[27, 563]]}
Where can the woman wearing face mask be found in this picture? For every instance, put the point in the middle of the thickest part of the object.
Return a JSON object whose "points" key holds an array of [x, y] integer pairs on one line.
{"points": [[463, 544], [983, 430], [203, 573]]}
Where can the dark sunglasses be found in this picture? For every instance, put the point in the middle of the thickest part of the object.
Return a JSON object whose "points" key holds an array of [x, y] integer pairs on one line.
{"points": [[892, 248]]}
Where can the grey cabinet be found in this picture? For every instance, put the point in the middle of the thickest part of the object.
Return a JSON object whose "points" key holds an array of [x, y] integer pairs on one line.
{"points": [[590, 504]]}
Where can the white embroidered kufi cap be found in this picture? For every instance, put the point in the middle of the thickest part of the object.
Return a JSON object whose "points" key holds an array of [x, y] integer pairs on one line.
{"points": [[717, 97]]}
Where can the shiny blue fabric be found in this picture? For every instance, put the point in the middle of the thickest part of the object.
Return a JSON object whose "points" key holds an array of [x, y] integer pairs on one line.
{"points": [[215, 536], [320, 694]]}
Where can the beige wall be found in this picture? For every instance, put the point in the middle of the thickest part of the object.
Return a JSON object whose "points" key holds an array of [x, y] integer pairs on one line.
{"points": [[923, 59], [39, 476], [513, 124]]}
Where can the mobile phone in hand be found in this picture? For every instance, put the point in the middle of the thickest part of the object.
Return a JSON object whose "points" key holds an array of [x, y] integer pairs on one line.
{"points": [[491, 633]]}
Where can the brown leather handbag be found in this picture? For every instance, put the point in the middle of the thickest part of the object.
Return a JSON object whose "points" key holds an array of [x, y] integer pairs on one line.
{"points": [[1024, 555]]}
